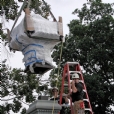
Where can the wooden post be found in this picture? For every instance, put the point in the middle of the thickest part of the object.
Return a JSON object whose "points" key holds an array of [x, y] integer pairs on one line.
{"points": [[28, 21], [60, 26]]}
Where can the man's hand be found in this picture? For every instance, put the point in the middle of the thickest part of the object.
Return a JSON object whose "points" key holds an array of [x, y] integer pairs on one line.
{"points": [[65, 97], [74, 89], [73, 83]]}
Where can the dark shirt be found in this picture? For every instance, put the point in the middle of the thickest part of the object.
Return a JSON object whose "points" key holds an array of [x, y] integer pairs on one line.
{"points": [[57, 99], [79, 94]]}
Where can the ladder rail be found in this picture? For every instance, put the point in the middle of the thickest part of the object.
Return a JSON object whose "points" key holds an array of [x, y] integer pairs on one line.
{"points": [[69, 87], [62, 86], [66, 68], [66, 74], [85, 87]]}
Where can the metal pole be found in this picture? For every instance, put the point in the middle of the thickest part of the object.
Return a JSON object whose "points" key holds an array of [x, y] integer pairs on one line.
{"points": [[18, 15], [50, 11]]}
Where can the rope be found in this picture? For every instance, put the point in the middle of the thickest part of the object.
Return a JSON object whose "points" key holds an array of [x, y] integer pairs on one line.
{"points": [[58, 73], [49, 11]]}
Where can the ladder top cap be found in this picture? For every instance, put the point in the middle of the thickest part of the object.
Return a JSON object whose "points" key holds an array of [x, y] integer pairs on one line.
{"points": [[72, 63]]}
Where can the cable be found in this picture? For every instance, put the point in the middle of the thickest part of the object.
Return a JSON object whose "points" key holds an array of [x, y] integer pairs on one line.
{"points": [[49, 11], [58, 73]]}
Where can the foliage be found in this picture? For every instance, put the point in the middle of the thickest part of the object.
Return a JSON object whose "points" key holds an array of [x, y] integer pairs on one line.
{"points": [[17, 88], [90, 42], [11, 8]]}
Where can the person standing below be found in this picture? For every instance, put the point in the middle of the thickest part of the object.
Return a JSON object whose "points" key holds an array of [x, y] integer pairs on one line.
{"points": [[56, 97], [77, 95]]}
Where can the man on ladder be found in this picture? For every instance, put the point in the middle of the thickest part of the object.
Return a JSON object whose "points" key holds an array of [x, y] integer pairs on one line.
{"points": [[77, 95]]}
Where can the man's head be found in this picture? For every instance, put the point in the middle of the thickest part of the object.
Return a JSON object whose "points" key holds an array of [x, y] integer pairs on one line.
{"points": [[75, 77], [55, 91]]}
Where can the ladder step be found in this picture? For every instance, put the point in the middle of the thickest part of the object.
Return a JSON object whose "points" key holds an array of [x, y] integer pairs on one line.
{"points": [[84, 90], [65, 85], [87, 109], [86, 100], [72, 63], [75, 72]]}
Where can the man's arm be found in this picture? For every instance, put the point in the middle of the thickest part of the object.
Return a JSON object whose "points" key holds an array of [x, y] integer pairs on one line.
{"points": [[74, 89]]}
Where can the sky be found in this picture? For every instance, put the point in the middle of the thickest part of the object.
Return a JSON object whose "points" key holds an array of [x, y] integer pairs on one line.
{"points": [[62, 8], [65, 8]]}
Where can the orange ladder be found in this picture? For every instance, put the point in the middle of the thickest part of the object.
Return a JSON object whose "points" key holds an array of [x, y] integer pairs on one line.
{"points": [[68, 70]]}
